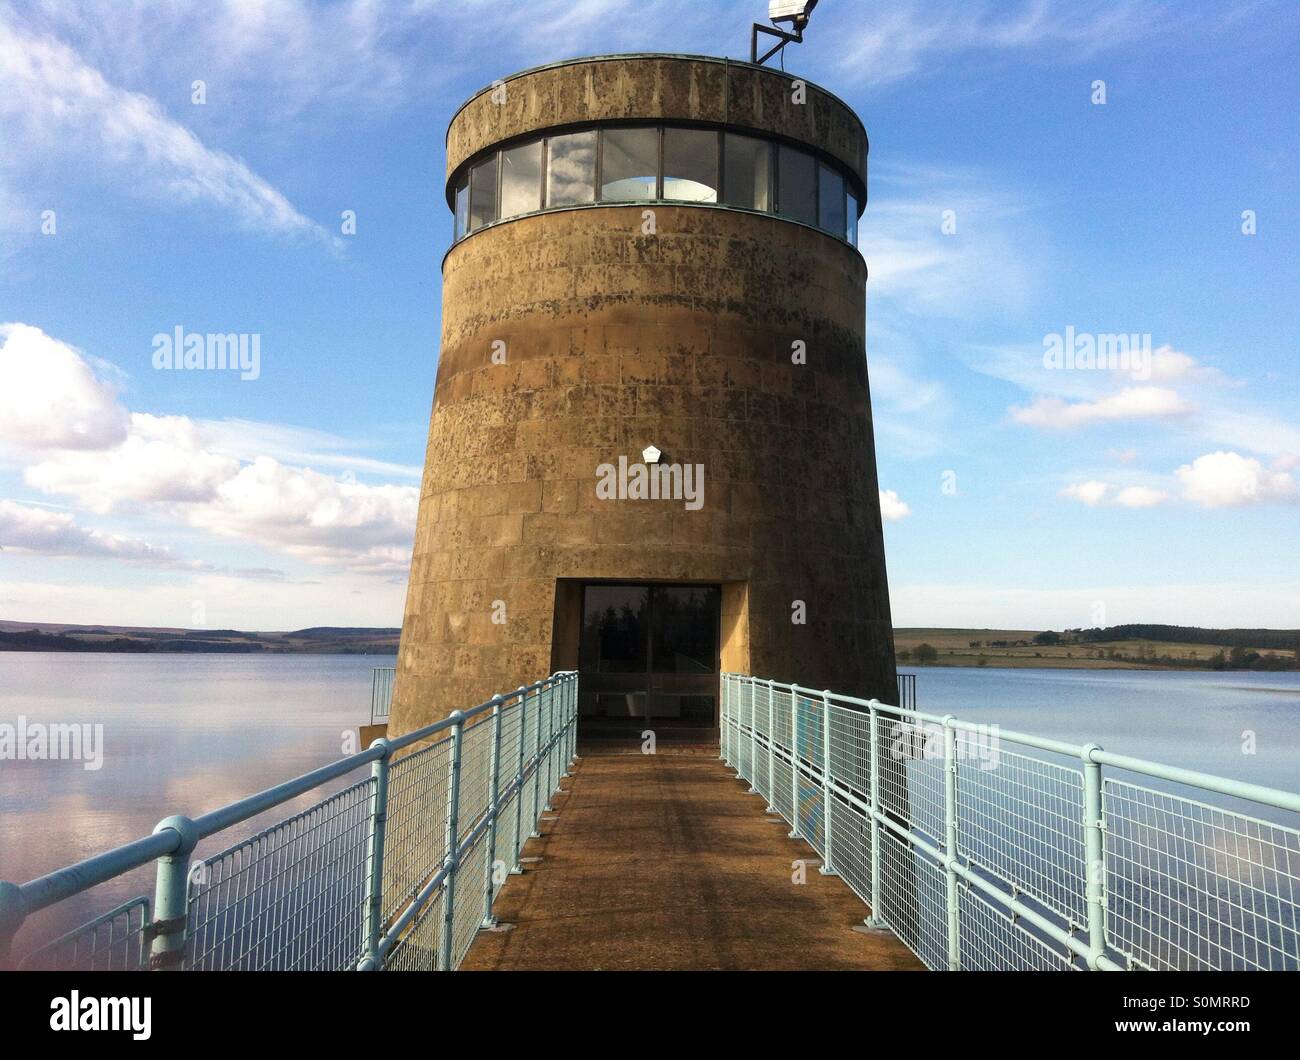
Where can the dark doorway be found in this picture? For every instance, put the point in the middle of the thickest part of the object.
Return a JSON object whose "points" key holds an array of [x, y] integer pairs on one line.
{"points": [[649, 653]]}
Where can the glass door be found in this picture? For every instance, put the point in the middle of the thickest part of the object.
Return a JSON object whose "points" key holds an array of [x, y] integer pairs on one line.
{"points": [[649, 652]]}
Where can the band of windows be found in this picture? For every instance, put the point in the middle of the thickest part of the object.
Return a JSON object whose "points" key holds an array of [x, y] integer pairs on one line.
{"points": [[648, 163]]}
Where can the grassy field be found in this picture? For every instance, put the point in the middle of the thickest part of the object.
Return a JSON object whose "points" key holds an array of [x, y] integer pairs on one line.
{"points": [[1015, 648]]}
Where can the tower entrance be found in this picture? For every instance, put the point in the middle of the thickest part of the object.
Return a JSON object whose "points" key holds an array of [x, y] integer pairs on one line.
{"points": [[649, 658]]}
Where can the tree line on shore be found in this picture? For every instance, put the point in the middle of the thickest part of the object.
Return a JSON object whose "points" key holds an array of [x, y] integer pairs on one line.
{"points": [[1237, 648]]}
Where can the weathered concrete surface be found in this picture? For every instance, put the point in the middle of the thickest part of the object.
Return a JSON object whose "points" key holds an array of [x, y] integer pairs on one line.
{"points": [[663, 862], [618, 340]]}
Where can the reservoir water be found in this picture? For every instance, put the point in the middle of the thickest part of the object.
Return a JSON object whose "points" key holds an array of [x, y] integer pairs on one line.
{"points": [[188, 733]]}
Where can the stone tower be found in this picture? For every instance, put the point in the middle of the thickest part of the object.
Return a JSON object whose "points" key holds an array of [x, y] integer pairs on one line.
{"points": [[650, 455]]}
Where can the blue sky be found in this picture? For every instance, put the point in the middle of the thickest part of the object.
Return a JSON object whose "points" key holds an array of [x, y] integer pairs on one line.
{"points": [[1017, 495]]}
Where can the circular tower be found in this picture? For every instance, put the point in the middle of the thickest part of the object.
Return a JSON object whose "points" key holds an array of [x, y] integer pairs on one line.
{"points": [[650, 455]]}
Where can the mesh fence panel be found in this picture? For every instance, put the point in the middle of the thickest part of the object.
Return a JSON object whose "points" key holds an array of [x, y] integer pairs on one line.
{"points": [[1023, 821], [419, 786], [114, 942], [1193, 886], [289, 898], [913, 899], [851, 847], [992, 941]]}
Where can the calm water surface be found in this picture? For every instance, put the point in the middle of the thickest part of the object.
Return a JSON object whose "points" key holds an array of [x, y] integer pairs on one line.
{"points": [[181, 734], [188, 733], [1196, 720]]}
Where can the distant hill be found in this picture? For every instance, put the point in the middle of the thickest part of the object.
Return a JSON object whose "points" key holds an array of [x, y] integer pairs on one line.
{"points": [[321, 640], [1133, 646]]}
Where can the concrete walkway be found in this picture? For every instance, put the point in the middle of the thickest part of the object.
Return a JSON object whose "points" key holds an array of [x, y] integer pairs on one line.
{"points": [[664, 862]]}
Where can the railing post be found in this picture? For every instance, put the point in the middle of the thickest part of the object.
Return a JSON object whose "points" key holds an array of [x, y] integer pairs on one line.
{"points": [[576, 688], [171, 896], [372, 922], [1094, 855], [550, 744], [494, 808], [753, 740], [576, 697], [533, 833], [827, 869], [794, 760], [516, 868], [771, 752], [875, 920], [13, 911], [950, 839], [723, 688], [566, 731], [453, 839]]}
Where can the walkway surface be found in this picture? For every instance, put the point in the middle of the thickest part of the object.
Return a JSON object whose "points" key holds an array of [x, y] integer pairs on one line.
{"points": [[665, 862]]}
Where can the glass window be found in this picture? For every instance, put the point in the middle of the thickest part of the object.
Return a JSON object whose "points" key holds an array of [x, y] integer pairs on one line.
{"points": [[571, 169], [462, 207], [830, 199], [851, 219], [614, 629], [483, 193], [521, 179], [691, 165], [629, 164], [684, 629], [747, 169], [797, 185]]}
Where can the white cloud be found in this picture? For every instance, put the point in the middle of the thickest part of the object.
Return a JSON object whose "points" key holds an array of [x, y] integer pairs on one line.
{"points": [[25, 528], [216, 476], [1094, 492], [160, 461], [315, 517], [276, 62], [1140, 497], [903, 38], [892, 507], [917, 269], [50, 397], [55, 105], [1224, 480], [1131, 403], [1168, 365], [1090, 493], [248, 439], [164, 469]]}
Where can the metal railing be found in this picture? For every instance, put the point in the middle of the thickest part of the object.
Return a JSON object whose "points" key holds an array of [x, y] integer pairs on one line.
{"points": [[398, 870], [381, 693], [991, 850], [907, 691]]}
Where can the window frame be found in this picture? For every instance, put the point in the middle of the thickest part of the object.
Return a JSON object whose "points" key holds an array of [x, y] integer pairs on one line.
{"points": [[496, 190], [769, 148], [595, 130], [773, 147], [717, 163], [540, 143], [824, 167], [658, 131]]}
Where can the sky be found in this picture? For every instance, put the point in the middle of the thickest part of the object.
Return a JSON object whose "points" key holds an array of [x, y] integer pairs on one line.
{"points": [[1042, 174]]}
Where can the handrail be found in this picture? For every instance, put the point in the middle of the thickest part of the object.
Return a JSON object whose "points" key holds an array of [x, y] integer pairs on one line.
{"points": [[1276, 797], [1022, 861], [176, 837]]}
